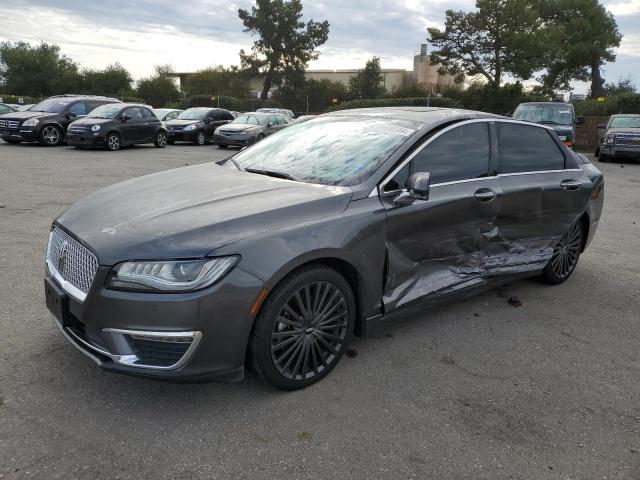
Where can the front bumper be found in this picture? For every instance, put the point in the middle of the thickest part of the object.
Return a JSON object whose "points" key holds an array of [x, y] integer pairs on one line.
{"points": [[84, 140], [20, 134], [121, 331], [620, 150], [233, 140], [181, 136]]}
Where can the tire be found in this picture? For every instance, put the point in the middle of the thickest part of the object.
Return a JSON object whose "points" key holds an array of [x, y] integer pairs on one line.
{"points": [[596, 154], [565, 256], [160, 140], [262, 136], [201, 138], [603, 158], [112, 142], [222, 146], [292, 346], [51, 136]]}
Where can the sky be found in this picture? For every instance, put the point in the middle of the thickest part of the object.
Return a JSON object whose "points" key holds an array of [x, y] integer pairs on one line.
{"points": [[200, 33]]}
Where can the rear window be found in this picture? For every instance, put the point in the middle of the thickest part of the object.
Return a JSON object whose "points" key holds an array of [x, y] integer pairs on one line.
{"points": [[525, 148]]}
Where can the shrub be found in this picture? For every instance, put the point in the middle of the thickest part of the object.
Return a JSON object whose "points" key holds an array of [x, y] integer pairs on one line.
{"points": [[625, 103], [399, 102]]}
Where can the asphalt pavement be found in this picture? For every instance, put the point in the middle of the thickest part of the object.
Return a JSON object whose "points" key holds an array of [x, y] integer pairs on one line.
{"points": [[474, 389]]}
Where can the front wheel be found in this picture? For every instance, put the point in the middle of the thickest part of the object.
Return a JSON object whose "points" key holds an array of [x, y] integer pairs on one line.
{"points": [[160, 140], [201, 138], [112, 142], [565, 256], [50, 136], [303, 328]]}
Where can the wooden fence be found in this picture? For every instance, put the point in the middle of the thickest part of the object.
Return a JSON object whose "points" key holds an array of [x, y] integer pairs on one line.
{"points": [[587, 134]]}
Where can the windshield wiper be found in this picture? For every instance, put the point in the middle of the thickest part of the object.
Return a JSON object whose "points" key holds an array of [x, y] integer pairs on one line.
{"points": [[272, 173]]}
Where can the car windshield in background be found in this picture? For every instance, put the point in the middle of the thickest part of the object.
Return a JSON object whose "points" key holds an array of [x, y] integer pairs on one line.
{"points": [[192, 115], [545, 114], [251, 119], [331, 150], [51, 105], [160, 112], [105, 111], [625, 122]]}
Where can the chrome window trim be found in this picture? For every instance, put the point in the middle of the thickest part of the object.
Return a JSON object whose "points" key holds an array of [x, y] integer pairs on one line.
{"points": [[378, 189]]}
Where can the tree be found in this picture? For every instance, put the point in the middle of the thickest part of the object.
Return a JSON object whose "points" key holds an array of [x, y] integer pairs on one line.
{"points": [[313, 95], [217, 80], [35, 71], [581, 37], [501, 37], [113, 80], [368, 83], [285, 45], [158, 90], [621, 87]]}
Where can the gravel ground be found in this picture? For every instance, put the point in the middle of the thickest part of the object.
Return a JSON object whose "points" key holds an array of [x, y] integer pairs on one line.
{"points": [[474, 389]]}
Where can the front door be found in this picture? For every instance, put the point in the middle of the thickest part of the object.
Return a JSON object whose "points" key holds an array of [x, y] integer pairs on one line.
{"points": [[439, 246], [133, 129]]}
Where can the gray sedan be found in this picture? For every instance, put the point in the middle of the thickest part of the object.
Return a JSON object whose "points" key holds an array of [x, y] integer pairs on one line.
{"points": [[249, 128]]}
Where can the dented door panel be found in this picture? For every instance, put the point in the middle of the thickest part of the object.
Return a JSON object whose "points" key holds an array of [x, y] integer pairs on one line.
{"points": [[441, 245]]}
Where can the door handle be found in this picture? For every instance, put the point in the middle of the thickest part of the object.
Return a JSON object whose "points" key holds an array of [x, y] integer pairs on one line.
{"points": [[484, 195], [570, 184]]}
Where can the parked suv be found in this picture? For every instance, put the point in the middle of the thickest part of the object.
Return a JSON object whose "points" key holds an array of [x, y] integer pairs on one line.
{"points": [[47, 121], [197, 124], [619, 137], [116, 125], [561, 117]]}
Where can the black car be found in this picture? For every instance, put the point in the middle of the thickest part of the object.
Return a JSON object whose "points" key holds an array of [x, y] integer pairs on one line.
{"points": [[197, 125], [327, 229], [117, 125], [46, 122]]}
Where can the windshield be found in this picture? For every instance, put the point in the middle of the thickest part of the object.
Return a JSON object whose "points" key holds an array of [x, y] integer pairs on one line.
{"points": [[193, 114], [251, 119], [329, 150], [51, 105], [549, 114], [109, 110], [625, 122], [161, 111]]}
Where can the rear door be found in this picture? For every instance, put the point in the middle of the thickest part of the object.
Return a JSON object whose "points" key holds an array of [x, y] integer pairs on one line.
{"points": [[150, 125], [438, 246], [544, 193]]}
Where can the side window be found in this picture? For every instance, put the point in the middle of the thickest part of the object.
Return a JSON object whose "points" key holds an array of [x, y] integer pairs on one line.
{"points": [[282, 120], [228, 116], [79, 108], [148, 114], [525, 148], [134, 113], [273, 119], [459, 154], [213, 115]]}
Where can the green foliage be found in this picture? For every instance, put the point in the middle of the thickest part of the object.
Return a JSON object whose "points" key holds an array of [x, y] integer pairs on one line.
{"points": [[409, 91], [285, 44], [230, 103], [158, 90], [113, 80], [317, 95], [14, 99], [501, 37], [211, 81], [36, 71], [399, 102], [580, 37], [368, 83], [486, 98], [624, 103], [621, 87]]}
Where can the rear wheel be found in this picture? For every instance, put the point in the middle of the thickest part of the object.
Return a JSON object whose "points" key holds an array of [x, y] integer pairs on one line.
{"points": [[160, 140], [565, 256], [50, 136], [303, 328], [112, 142]]}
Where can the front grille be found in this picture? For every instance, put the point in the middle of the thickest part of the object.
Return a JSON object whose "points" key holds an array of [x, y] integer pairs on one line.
{"points": [[628, 140], [12, 124], [158, 352], [71, 260], [78, 130]]}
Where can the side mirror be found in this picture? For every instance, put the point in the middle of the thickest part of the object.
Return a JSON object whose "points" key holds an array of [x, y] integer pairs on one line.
{"points": [[269, 124], [125, 118], [72, 114], [417, 188], [580, 120], [601, 126]]}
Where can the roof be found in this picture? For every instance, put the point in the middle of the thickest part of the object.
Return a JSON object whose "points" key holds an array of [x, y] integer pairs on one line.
{"points": [[547, 103], [425, 115]]}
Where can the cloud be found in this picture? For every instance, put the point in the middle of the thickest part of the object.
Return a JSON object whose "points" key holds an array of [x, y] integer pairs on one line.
{"points": [[620, 9]]}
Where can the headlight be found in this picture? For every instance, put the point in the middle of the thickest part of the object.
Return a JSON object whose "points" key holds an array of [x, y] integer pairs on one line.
{"points": [[188, 128], [563, 138], [95, 128], [170, 276], [32, 122], [610, 139]]}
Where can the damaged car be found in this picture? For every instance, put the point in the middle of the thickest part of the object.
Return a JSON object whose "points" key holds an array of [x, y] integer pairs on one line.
{"points": [[275, 257]]}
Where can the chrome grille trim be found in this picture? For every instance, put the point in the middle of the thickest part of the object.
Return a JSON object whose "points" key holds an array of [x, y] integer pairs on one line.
{"points": [[72, 264], [9, 124]]}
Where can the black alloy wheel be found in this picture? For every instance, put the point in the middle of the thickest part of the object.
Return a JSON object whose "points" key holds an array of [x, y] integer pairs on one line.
{"points": [[50, 136], [565, 256], [201, 138], [303, 328], [160, 140], [112, 142]]}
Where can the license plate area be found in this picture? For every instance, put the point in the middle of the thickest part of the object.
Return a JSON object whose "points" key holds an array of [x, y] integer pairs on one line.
{"points": [[57, 301]]}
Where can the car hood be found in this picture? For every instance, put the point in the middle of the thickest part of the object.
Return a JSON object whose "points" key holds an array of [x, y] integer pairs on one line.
{"points": [[562, 129], [86, 122], [626, 130], [188, 212], [28, 114], [239, 127], [181, 123]]}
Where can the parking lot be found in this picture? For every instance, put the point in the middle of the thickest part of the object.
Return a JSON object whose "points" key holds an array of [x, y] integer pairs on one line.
{"points": [[475, 389]]}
